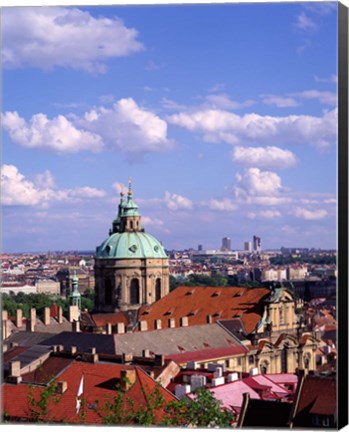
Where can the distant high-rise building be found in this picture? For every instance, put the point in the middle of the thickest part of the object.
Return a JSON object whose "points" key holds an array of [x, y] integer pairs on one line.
{"points": [[200, 247], [226, 244], [248, 246], [256, 243]]}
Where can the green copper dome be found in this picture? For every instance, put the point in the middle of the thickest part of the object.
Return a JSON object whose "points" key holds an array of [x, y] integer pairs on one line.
{"points": [[130, 245], [126, 238]]}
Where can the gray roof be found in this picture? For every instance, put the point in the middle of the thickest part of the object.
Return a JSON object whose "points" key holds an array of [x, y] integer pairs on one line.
{"points": [[104, 344], [175, 340], [27, 339]]}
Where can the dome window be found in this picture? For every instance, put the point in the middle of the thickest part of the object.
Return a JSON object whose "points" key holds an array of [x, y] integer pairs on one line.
{"points": [[133, 248], [108, 249], [156, 248]]}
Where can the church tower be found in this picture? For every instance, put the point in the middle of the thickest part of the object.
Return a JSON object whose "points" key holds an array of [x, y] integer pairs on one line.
{"points": [[131, 266]]}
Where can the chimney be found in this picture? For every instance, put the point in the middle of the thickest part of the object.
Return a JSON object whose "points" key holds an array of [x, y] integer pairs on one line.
{"points": [[126, 358], [5, 322], [76, 327], [60, 315], [73, 313], [19, 318], [171, 323], [62, 387], [157, 324], [91, 356], [127, 379], [47, 318], [120, 328], [31, 322], [15, 368], [209, 319], [108, 328], [145, 353], [233, 377], [184, 321], [4, 315], [143, 325]]}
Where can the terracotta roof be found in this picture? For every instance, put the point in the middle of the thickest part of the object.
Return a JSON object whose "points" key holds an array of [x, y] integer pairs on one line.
{"points": [[101, 319], [99, 385], [13, 352], [47, 371], [317, 396], [220, 302]]}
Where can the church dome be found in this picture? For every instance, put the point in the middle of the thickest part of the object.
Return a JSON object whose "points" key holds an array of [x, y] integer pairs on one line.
{"points": [[131, 245], [126, 238]]}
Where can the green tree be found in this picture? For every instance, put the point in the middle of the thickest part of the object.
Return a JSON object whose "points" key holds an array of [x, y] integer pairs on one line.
{"points": [[204, 411]]}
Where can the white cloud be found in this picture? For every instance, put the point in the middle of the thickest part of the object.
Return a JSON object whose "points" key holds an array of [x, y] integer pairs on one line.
{"points": [[224, 204], [223, 101], [310, 214], [332, 79], [17, 190], [177, 202], [324, 97], [58, 134], [264, 214], [125, 127], [304, 22], [266, 157], [258, 183], [279, 101], [330, 201], [49, 37], [224, 126], [151, 221]]}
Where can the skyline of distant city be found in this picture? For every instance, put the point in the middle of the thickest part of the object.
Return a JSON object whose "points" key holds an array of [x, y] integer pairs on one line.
{"points": [[220, 138]]}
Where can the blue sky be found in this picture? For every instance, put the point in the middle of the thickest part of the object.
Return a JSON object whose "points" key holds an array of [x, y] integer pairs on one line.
{"points": [[225, 116]]}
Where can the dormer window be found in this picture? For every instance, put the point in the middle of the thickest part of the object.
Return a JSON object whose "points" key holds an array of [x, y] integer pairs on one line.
{"points": [[216, 294]]}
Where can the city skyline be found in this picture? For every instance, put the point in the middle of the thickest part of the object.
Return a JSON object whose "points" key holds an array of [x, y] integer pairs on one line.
{"points": [[188, 101]]}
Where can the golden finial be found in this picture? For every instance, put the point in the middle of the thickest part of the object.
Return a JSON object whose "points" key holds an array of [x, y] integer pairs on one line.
{"points": [[122, 187]]}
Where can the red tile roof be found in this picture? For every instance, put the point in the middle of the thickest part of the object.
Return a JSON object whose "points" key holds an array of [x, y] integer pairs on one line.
{"points": [[317, 396], [230, 302], [47, 371], [102, 319], [99, 384], [13, 352]]}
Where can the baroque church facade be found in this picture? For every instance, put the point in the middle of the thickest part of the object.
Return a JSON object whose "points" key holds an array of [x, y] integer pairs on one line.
{"points": [[131, 266]]}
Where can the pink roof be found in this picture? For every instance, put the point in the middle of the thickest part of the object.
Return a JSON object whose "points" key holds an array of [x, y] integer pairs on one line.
{"points": [[265, 381], [283, 378], [231, 394]]}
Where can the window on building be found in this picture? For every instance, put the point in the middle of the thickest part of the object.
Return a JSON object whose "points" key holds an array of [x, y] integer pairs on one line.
{"points": [[108, 291], [284, 360], [131, 225], [306, 362], [134, 291], [158, 289], [238, 360], [250, 359]]}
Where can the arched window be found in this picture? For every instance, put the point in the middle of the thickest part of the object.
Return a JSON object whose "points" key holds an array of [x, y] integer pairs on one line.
{"points": [[134, 291], [306, 362], [108, 290], [158, 289], [264, 368], [131, 225]]}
